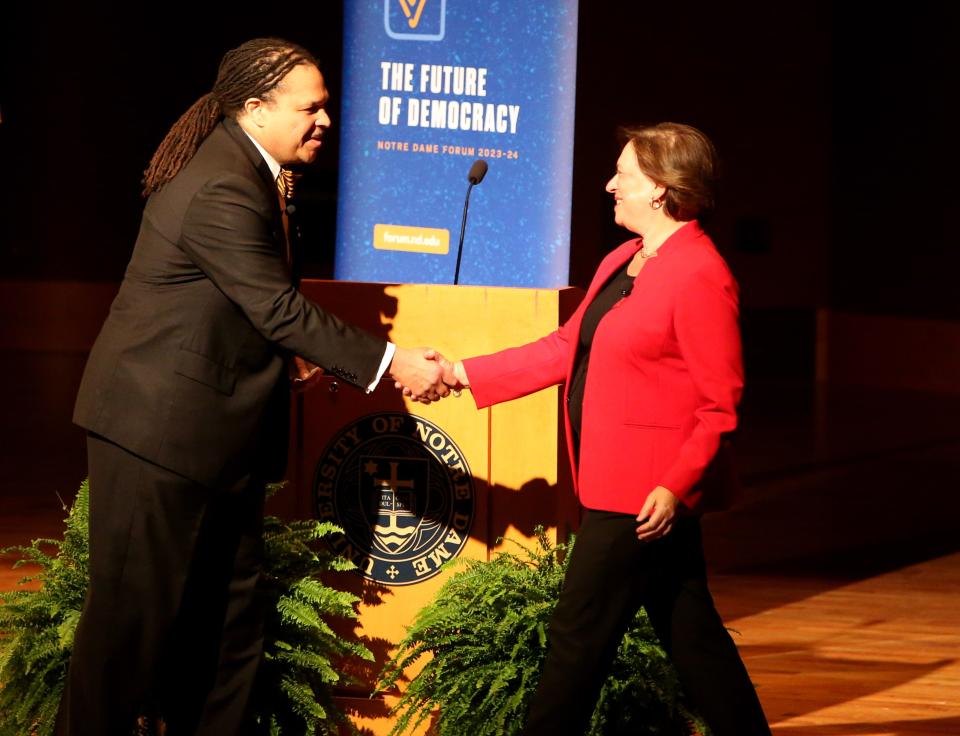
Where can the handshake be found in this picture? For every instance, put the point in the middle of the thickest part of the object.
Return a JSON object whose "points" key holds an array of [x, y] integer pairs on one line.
{"points": [[424, 375]]}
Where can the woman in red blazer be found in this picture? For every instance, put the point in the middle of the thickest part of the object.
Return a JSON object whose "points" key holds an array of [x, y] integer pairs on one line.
{"points": [[652, 374]]}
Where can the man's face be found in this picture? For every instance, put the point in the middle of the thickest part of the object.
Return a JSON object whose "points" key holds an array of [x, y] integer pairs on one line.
{"points": [[291, 123]]}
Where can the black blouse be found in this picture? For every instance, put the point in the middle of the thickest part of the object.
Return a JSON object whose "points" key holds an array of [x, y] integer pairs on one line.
{"points": [[618, 286]]}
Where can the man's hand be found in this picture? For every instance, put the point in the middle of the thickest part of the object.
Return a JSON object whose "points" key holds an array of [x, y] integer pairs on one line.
{"points": [[454, 374], [420, 378], [304, 375], [656, 517]]}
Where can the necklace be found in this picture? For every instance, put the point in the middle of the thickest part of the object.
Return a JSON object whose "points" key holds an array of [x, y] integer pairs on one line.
{"points": [[644, 255]]}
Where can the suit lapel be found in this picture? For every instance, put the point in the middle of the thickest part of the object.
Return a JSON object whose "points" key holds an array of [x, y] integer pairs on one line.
{"points": [[250, 151], [268, 185], [610, 266]]}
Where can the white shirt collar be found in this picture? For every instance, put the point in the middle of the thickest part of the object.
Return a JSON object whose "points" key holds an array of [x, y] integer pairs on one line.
{"points": [[271, 161]]}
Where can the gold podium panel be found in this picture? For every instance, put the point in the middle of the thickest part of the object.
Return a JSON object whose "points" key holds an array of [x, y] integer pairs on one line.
{"points": [[415, 485]]}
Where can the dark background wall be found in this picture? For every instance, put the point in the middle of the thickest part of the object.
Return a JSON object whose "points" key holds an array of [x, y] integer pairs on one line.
{"points": [[833, 124]]}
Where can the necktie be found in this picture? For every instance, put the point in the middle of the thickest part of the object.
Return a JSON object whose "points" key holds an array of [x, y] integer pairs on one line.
{"points": [[286, 181], [298, 368]]}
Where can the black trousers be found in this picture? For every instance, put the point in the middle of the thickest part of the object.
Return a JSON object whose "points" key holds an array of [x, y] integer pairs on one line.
{"points": [[611, 574], [172, 620]]}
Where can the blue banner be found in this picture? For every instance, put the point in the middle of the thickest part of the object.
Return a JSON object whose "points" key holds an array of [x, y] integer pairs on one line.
{"points": [[429, 87]]}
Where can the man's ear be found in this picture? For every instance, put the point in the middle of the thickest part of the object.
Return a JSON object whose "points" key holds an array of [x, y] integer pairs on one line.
{"points": [[254, 109]]}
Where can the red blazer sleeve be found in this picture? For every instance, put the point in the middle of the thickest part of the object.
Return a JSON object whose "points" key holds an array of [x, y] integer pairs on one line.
{"points": [[706, 323], [515, 372]]}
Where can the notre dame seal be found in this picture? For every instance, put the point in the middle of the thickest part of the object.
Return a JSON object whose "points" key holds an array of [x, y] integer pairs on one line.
{"points": [[403, 493]]}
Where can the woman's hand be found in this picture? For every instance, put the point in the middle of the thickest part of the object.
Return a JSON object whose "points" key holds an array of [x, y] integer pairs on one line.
{"points": [[418, 376], [655, 519], [454, 374]]}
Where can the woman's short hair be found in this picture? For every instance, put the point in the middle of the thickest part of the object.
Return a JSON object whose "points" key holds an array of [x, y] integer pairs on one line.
{"points": [[680, 158]]}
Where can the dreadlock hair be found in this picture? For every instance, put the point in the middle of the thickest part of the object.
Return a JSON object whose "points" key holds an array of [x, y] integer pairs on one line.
{"points": [[253, 69]]}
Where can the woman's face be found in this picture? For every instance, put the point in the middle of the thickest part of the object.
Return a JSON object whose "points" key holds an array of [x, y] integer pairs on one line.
{"points": [[632, 192]]}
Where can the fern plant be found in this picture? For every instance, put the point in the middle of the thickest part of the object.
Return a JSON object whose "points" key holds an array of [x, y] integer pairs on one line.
{"points": [[36, 626], [487, 633], [293, 693]]}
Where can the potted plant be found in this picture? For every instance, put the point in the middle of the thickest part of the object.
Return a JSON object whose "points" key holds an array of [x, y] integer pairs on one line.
{"points": [[293, 695], [484, 639]]}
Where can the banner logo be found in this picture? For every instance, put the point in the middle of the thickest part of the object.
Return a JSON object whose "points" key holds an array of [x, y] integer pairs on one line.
{"points": [[411, 239], [413, 16], [403, 493], [415, 20]]}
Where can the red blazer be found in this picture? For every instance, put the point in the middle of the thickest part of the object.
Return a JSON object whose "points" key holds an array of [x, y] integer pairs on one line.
{"points": [[665, 377]]}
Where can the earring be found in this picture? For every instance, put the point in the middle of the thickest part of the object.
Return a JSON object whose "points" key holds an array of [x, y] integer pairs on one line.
{"points": [[656, 203]]}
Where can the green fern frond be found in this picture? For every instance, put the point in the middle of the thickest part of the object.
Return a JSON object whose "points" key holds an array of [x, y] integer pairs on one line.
{"points": [[295, 696], [486, 630]]}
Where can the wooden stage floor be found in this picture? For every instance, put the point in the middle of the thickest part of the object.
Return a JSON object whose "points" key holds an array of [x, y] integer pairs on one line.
{"points": [[840, 568], [874, 657]]}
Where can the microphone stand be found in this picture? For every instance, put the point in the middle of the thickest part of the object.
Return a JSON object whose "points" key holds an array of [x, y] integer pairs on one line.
{"points": [[463, 229]]}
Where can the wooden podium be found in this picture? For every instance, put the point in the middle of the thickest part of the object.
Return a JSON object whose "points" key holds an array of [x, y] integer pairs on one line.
{"points": [[417, 485]]}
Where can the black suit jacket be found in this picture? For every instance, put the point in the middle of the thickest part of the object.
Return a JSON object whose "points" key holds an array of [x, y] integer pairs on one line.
{"points": [[189, 369]]}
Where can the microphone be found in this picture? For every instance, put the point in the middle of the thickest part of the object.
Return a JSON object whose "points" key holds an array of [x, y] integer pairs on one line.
{"points": [[477, 172]]}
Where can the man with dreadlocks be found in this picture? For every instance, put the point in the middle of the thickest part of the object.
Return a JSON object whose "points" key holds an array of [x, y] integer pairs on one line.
{"points": [[185, 400]]}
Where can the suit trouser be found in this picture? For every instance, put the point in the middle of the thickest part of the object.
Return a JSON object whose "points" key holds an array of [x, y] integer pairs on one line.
{"points": [[611, 574], [172, 621]]}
